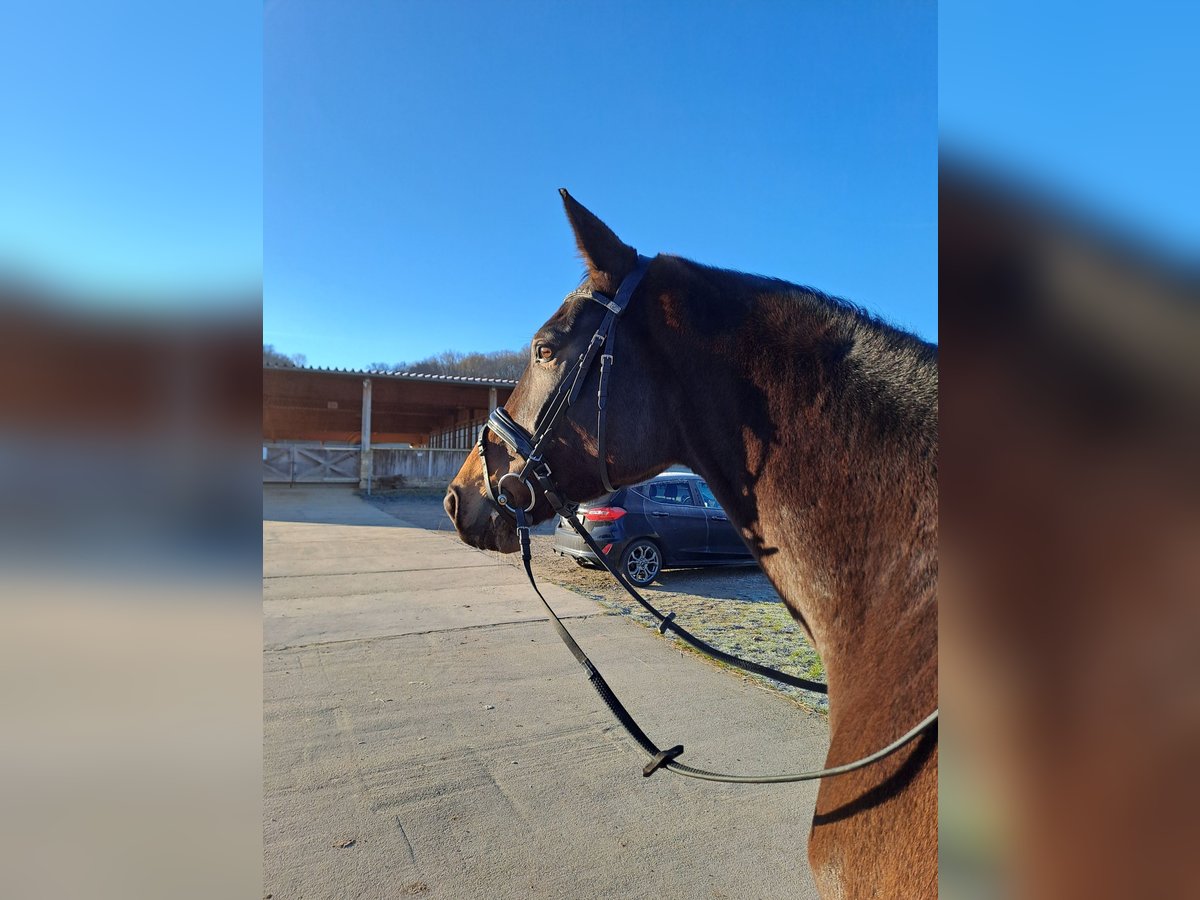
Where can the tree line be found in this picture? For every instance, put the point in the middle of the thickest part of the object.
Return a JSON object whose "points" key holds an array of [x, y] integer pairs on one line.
{"points": [[497, 364], [508, 364], [272, 357]]}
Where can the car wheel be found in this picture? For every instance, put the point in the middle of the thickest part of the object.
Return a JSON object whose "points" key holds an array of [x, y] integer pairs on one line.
{"points": [[641, 562]]}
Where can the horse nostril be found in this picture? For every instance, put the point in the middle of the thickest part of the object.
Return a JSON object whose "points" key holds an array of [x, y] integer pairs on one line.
{"points": [[451, 503]]}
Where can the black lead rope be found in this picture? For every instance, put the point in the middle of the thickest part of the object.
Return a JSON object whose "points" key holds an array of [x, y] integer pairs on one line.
{"points": [[666, 759], [667, 623]]}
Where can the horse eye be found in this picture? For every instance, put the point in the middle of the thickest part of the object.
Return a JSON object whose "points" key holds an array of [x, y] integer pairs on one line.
{"points": [[545, 352]]}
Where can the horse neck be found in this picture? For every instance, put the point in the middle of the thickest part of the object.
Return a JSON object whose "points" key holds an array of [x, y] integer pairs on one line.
{"points": [[817, 431]]}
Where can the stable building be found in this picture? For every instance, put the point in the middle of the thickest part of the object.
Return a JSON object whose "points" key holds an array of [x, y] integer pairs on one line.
{"points": [[371, 428]]}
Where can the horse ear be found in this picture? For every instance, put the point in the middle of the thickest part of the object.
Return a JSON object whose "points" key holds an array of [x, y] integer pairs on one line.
{"points": [[608, 260]]}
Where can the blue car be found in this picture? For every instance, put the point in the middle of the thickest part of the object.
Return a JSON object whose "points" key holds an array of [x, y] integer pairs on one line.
{"points": [[671, 521]]}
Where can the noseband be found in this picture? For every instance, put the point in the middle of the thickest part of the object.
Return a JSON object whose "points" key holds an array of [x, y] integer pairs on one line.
{"points": [[530, 447]]}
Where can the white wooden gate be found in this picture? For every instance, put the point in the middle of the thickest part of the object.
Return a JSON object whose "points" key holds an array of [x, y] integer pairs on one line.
{"points": [[277, 464], [299, 464]]}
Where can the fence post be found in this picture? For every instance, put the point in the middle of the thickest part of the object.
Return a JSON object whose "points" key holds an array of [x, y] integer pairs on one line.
{"points": [[364, 453]]}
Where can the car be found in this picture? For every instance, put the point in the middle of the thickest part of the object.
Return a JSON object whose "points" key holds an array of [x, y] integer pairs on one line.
{"points": [[671, 521]]}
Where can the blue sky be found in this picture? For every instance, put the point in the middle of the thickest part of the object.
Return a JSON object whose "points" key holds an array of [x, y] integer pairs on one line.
{"points": [[131, 160], [412, 154], [1095, 105], [412, 150]]}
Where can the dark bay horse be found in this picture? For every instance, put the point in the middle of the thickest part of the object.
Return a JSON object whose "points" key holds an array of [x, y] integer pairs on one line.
{"points": [[816, 426]]}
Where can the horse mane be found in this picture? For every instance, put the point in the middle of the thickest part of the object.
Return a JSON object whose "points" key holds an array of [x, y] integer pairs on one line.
{"points": [[844, 313], [786, 314], [794, 318]]}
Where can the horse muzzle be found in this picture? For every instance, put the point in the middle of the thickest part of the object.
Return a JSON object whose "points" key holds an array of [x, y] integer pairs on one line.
{"points": [[479, 523]]}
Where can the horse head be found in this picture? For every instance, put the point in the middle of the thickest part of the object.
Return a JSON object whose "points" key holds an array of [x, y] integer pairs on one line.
{"points": [[562, 381]]}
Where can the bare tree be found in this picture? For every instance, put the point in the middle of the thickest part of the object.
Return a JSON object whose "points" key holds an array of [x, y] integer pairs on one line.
{"points": [[508, 364], [272, 357]]}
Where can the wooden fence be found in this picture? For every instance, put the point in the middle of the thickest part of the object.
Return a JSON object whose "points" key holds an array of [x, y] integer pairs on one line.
{"points": [[386, 466], [417, 466]]}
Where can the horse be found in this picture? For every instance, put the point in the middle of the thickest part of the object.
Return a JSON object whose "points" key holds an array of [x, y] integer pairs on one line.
{"points": [[815, 425]]}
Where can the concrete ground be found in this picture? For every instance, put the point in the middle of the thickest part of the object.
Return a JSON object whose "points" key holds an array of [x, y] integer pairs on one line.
{"points": [[426, 733]]}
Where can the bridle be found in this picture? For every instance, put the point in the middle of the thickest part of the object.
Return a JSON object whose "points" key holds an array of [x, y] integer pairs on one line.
{"points": [[531, 448]]}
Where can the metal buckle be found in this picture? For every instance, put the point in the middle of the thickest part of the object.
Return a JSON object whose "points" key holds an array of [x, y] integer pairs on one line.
{"points": [[502, 498]]}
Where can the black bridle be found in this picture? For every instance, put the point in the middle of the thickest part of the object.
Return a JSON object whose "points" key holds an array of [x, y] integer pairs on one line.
{"points": [[531, 448]]}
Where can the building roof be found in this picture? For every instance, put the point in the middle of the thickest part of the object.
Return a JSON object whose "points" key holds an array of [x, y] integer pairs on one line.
{"points": [[401, 376], [301, 403]]}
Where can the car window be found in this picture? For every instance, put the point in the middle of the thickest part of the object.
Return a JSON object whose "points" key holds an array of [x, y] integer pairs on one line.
{"points": [[668, 492], [706, 496]]}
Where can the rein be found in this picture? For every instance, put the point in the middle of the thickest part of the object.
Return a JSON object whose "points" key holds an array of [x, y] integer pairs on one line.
{"points": [[531, 449]]}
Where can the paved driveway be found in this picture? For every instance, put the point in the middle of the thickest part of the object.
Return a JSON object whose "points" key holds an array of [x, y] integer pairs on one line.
{"points": [[426, 734]]}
